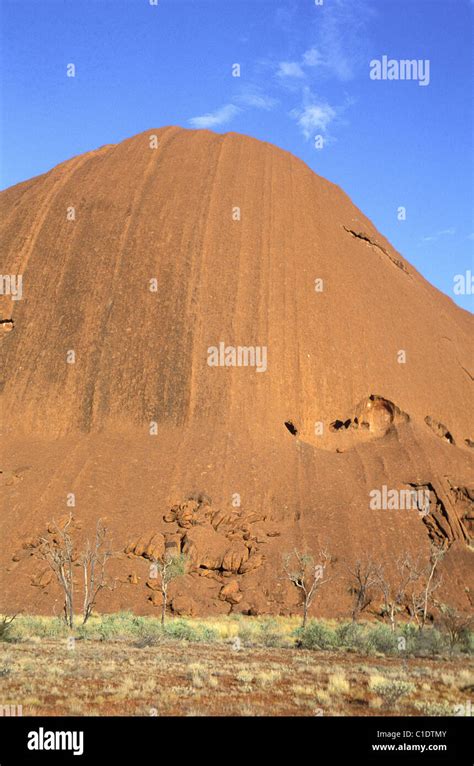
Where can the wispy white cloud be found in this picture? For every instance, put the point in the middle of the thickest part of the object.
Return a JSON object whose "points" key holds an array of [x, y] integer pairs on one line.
{"points": [[437, 235], [312, 57], [255, 98], [332, 52], [290, 69], [251, 97], [347, 39], [340, 36], [213, 119], [315, 115]]}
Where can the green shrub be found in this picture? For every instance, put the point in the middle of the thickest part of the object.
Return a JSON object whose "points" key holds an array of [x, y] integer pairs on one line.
{"points": [[468, 645], [428, 642], [269, 634], [183, 630], [316, 635], [112, 626], [362, 637], [209, 634], [246, 634], [409, 631], [382, 639], [26, 627], [6, 624], [352, 637]]}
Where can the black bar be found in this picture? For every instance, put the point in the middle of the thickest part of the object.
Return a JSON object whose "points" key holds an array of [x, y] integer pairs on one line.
{"points": [[446, 740]]}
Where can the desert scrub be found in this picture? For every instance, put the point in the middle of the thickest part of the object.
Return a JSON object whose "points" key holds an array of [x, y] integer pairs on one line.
{"points": [[268, 677], [110, 627], [352, 637], [266, 631], [250, 631], [185, 630], [146, 630], [200, 676], [246, 634], [269, 633], [338, 684], [6, 623], [383, 640], [391, 691], [25, 628], [365, 639], [245, 676], [5, 671], [429, 642], [434, 708], [316, 635]]}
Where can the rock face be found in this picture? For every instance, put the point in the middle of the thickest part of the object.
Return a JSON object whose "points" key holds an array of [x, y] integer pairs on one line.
{"points": [[147, 265]]}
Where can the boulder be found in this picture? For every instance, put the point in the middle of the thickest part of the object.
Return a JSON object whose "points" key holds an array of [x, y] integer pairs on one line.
{"points": [[42, 579], [150, 545], [183, 605], [205, 547], [138, 546], [231, 593], [156, 599], [156, 547], [234, 557], [254, 562]]}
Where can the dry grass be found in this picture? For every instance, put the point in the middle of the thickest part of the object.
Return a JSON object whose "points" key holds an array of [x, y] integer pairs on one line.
{"points": [[194, 679], [338, 684]]}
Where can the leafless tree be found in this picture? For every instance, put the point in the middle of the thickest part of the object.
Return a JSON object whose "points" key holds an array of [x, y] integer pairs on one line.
{"points": [[306, 575], [58, 552], [364, 576], [94, 562], [394, 587], [430, 581], [165, 569]]}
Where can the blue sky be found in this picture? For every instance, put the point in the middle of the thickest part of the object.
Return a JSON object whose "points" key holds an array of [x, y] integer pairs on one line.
{"points": [[304, 72]]}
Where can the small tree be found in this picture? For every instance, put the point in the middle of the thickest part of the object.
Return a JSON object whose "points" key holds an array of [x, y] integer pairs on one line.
{"points": [[394, 588], [456, 624], [165, 569], [364, 576], [306, 575], [422, 597], [58, 552], [94, 561]]}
